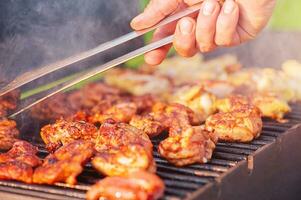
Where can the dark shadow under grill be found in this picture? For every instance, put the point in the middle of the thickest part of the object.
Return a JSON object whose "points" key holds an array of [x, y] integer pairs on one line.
{"points": [[180, 182]]}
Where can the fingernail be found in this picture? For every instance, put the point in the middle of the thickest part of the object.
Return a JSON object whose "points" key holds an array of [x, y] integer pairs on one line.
{"points": [[137, 19], [186, 27], [229, 6], [208, 8]]}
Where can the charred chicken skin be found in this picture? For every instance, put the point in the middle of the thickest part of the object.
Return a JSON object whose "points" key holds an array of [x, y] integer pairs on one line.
{"points": [[63, 132], [19, 162], [122, 149], [136, 186], [241, 125], [192, 145], [8, 133], [65, 164]]}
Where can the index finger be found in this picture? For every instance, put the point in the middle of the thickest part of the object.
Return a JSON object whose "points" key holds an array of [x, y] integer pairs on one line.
{"points": [[154, 13]]}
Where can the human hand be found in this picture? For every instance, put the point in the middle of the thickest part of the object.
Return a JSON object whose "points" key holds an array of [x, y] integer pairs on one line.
{"points": [[227, 24]]}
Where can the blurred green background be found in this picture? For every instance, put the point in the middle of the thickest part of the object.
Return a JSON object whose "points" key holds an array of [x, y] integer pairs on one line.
{"points": [[287, 15]]}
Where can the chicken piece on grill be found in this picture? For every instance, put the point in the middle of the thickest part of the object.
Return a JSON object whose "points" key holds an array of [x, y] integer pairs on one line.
{"points": [[193, 145], [120, 112], [136, 186], [196, 98], [8, 133], [172, 117], [218, 88], [21, 151], [52, 109], [199, 69], [89, 96], [113, 135], [232, 103], [65, 164], [241, 125], [8, 102], [122, 149], [18, 162], [271, 106], [123, 161], [175, 113], [138, 83], [144, 102], [63, 132], [147, 124]]}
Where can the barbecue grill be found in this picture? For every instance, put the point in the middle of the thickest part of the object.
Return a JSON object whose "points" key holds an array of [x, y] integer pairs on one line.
{"points": [[266, 168]]}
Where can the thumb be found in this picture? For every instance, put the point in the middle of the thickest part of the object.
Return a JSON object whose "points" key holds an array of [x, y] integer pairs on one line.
{"points": [[154, 13]]}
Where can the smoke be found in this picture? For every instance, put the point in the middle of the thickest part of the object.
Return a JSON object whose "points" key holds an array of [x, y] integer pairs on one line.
{"points": [[269, 49], [37, 32]]}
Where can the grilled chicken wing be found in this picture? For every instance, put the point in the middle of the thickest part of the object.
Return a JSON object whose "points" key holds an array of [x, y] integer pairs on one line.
{"points": [[18, 162], [122, 149], [136, 186], [8, 133], [63, 132], [192, 145], [241, 125], [65, 164]]}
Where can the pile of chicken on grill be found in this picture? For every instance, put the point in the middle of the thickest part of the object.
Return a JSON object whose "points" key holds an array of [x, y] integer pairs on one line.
{"points": [[110, 123]]}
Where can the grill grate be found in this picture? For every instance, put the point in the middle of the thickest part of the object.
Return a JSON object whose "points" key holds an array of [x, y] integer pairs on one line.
{"points": [[180, 182]]}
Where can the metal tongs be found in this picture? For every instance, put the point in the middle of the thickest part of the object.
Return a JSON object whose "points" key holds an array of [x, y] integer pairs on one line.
{"points": [[42, 71]]}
